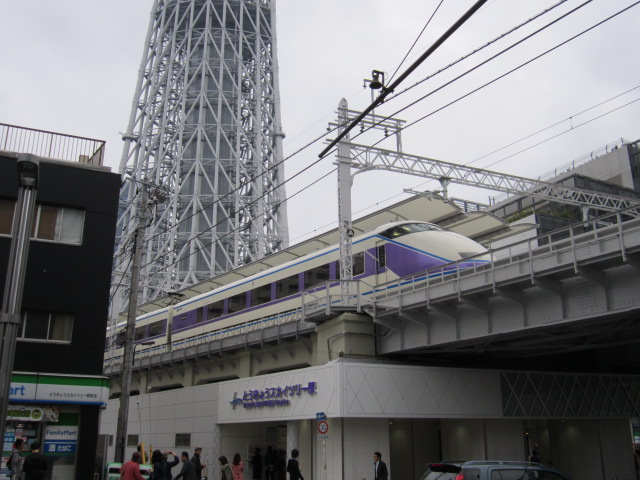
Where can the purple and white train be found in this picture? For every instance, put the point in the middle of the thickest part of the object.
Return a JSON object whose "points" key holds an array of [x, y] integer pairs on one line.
{"points": [[385, 254]]}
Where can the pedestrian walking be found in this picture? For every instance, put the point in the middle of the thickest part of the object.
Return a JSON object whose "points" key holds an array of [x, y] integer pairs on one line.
{"points": [[196, 462], [379, 467], [129, 471], [188, 471], [162, 466], [237, 467], [35, 465], [256, 462], [14, 464], [293, 467], [225, 468], [270, 462]]}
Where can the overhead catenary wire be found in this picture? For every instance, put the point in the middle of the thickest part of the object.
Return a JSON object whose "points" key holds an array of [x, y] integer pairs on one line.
{"points": [[275, 165], [475, 90], [472, 69], [416, 40], [387, 90], [295, 153]]}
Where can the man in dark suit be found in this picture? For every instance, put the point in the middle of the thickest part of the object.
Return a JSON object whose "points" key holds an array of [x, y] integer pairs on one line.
{"points": [[188, 471], [379, 467]]}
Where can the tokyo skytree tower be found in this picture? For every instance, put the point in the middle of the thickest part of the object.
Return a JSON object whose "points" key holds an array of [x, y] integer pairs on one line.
{"points": [[203, 147]]}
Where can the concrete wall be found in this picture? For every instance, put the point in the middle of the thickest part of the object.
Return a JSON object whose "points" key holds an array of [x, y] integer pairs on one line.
{"points": [[362, 438], [157, 417]]}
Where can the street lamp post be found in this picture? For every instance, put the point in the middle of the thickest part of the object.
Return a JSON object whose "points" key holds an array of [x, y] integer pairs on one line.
{"points": [[10, 314]]}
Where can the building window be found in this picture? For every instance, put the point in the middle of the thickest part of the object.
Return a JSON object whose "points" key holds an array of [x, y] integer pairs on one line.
{"points": [[183, 440], [132, 440], [111, 440], [46, 326], [6, 216], [56, 224]]}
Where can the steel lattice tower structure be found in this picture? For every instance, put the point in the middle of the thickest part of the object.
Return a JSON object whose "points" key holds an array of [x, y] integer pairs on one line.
{"points": [[205, 131]]}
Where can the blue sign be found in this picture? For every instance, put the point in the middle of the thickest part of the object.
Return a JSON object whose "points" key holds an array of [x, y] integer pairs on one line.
{"points": [[272, 396], [321, 416], [60, 448]]}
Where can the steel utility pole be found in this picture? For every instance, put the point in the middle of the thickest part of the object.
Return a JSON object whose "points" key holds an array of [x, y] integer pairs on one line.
{"points": [[10, 315], [128, 354]]}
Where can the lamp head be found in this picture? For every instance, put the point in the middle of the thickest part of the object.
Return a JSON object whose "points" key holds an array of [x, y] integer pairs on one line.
{"points": [[28, 170], [377, 81]]}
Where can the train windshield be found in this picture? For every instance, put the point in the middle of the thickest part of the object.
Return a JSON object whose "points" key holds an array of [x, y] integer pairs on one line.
{"points": [[407, 228]]}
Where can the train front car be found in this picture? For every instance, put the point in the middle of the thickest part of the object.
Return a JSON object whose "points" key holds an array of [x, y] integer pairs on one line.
{"points": [[415, 247]]}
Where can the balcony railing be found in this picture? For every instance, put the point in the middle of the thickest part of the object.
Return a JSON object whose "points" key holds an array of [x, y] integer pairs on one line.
{"points": [[50, 144]]}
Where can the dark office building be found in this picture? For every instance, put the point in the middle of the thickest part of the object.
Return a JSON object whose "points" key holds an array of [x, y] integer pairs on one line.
{"points": [[57, 387]]}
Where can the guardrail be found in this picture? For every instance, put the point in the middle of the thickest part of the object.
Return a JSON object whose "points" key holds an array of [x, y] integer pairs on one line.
{"points": [[567, 239], [51, 144]]}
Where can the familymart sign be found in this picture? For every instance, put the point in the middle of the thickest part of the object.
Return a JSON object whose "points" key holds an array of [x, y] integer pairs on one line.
{"points": [[58, 389]]}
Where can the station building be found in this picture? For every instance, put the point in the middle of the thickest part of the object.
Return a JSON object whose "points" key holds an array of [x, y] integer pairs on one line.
{"points": [[342, 385]]}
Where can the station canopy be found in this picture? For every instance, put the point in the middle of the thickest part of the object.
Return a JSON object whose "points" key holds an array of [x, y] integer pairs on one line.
{"points": [[460, 216]]}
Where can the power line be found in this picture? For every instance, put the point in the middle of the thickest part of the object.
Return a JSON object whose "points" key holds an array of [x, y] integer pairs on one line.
{"points": [[416, 40], [506, 73]]}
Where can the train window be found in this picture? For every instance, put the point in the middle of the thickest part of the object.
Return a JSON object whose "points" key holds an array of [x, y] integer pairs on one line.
{"points": [[261, 295], [156, 328], [287, 286], [237, 303], [407, 228], [316, 275], [140, 333], [215, 310], [357, 264], [200, 315]]}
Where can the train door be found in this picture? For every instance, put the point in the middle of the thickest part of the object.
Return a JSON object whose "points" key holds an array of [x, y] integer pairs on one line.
{"points": [[381, 262]]}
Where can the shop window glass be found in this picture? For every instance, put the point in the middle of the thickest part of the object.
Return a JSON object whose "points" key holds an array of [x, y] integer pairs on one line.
{"points": [[6, 216]]}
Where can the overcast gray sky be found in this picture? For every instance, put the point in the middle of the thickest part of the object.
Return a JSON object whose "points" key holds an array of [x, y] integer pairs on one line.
{"points": [[71, 66]]}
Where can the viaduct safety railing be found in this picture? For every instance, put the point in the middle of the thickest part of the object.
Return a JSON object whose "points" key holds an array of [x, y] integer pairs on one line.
{"points": [[51, 144], [570, 245], [208, 337]]}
